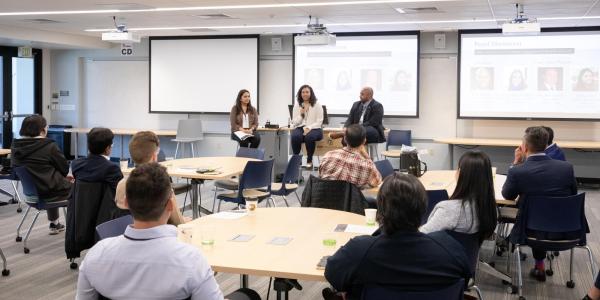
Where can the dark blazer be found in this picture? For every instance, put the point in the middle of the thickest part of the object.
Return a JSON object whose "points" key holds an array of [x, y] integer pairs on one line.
{"points": [[96, 168], [555, 152], [373, 117], [411, 260], [539, 176], [46, 164]]}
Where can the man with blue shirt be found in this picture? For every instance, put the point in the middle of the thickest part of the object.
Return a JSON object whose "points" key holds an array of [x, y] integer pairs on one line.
{"points": [[147, 261]]}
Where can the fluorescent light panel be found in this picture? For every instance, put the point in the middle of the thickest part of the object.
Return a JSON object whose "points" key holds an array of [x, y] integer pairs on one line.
{"points": [[221, 7]]}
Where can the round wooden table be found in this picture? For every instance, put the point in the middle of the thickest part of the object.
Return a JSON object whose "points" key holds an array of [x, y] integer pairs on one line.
{"points": [[307, 227]]}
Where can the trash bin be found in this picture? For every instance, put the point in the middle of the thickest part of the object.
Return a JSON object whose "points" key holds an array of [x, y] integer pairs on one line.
{"points": [[62, 138]]}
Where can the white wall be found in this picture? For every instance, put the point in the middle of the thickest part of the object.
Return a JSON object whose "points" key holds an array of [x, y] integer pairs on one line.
{"points": [[437, 106]]}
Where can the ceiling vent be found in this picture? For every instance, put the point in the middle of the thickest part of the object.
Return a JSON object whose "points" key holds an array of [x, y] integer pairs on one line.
{"points": [[42, 21], [213, 16], [197, 30], [420, 10]]}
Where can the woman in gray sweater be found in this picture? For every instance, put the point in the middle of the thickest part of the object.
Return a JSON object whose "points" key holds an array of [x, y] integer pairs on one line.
{"points": [[472, 206]]}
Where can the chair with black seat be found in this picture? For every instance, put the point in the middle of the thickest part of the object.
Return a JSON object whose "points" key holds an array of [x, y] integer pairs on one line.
{"points": [[114, 227], [471, 244], [384, 167], [289, 183], [5, 271], [189, 131], [333, 194], [433, 197], [397, 138], [551, 224], [232, 184], [256, 175], [378, 292], [40, 204]]}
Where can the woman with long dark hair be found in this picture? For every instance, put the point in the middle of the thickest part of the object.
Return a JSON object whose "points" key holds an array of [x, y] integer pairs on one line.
{"points": [[307, 119], [472, 206], [244, 120]]}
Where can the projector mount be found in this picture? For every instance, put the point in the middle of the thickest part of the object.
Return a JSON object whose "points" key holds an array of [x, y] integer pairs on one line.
{"points": [[119, 27], [315, 28], [520, 17]]}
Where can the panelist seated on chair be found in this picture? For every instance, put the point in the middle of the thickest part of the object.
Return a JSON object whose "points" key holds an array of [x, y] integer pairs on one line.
{"points": [[244, 119], [46, 163], [144, 148], [367, 112], [97, 167], [307, 119], [472, 206], [351, 163], [533, 173], [148, 261], [398, 255]]}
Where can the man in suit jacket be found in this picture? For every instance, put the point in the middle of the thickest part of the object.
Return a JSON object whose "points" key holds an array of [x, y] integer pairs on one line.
{"points": [[534, 173], [369, 113], [553, 150], [97, 167]]}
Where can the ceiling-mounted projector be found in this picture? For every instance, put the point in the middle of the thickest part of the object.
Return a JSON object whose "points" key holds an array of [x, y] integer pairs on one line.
{"points": [[521, 25], [315, 34], [120, 35]]}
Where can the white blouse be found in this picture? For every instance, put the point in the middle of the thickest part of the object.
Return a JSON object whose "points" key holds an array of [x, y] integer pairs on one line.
{"points": [[313, 117]]}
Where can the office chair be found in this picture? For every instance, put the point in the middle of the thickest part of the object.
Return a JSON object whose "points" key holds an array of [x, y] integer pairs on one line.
{"points": [[188, 132], [114, 227]]}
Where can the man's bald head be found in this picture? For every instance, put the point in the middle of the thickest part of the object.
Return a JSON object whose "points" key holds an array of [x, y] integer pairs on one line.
{"points": [[366, 94]]}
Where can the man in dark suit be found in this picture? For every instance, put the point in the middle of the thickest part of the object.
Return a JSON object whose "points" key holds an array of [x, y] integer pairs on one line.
{"points": [[553, 150], [369, 113], [97, 167], [533, 173]]}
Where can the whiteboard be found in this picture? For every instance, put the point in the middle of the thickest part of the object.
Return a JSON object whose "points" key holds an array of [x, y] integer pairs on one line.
{"points": [[116, 96]]}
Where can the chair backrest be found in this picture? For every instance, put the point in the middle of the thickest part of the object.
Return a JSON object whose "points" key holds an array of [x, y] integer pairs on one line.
{"points": [[257, 174], [292, 171], [333, 194], [325, 117], [555, 214], [376, 292], [161, 156], [27, 181], [114, 227], [398, 138], [433, 197], [384, 167], [190, 129], [471, 244], [255, 153]]}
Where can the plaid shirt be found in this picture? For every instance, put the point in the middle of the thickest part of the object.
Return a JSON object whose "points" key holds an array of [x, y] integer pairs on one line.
{"points": [[347, 164]]}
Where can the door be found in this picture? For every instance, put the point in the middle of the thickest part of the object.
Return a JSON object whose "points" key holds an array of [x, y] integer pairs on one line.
{"points": [[21, 85]]}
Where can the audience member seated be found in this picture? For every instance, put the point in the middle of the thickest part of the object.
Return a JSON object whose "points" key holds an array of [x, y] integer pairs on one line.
{"points": [[244, 117], [97, 167], [351, 163], [553, 150], [594, 292], [472, 206], [47, 165], [148, 261], [368, 113], [144, 148], [307, 121], [533, 173], [398, 255]]}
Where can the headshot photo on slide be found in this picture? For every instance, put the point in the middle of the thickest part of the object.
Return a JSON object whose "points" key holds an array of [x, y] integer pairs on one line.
{"points": [[401, 81], [482, 78], [517, 81], [314, 77], [344, 80], [586, 80], [550, 79], [371, 78]]}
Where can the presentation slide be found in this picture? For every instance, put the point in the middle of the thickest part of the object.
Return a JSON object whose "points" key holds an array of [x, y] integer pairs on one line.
{"points": [[387, 63], [201, 74], [553, 75]]}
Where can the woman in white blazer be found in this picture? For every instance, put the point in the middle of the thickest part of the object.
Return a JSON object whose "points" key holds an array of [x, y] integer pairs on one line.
{"points": [[307, 119]]}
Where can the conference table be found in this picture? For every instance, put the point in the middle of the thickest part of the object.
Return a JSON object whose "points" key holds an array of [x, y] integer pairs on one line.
{"points": [[225, 167], [476, 142], [122, 132], [306, 227]]}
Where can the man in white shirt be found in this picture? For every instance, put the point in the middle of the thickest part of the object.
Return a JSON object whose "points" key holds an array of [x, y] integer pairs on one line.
{"points": [[148, 261]]}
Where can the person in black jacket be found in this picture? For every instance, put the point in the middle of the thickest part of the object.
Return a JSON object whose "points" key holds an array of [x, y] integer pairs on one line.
{"points": [[369, 113], [47, 165], [398, 255], [97, 167]]}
